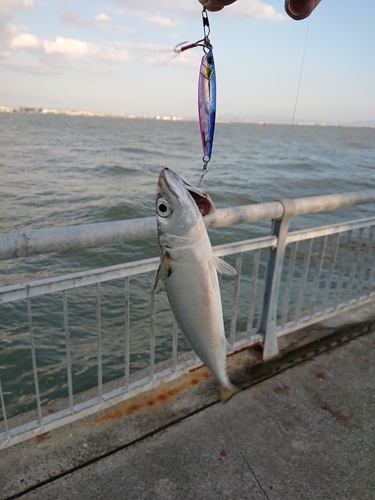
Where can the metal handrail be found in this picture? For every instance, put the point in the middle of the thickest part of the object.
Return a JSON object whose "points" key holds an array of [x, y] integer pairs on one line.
{"points": [[71, 238], [331, 285]]}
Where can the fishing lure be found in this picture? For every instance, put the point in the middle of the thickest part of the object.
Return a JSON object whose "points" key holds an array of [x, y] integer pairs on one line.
{"points": [[206, 92], [207, 105]]}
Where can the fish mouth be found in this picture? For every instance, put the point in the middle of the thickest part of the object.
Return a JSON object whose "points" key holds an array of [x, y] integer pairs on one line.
{"points": [[173, 181]]}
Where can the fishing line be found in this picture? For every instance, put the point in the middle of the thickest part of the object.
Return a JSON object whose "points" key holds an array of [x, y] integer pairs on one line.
{"points": [[291, 127], [297, 95]]}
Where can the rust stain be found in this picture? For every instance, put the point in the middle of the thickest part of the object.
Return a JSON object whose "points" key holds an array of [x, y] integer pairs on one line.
{"points": [[162, 394], [134, 407], [114, 415], [196, 368], [145, 401], [347, 421], [281, 389], [247, 348], [43, 437]]}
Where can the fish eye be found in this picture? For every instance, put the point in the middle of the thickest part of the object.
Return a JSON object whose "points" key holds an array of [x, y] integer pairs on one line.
{"points": [[163, 208]]}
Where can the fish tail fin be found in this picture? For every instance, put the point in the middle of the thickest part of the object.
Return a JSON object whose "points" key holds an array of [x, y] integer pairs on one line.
{"points": [[226, 392]]}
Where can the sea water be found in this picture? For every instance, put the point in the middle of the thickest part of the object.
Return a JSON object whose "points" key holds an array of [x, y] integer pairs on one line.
{"points": [[58, 170]]}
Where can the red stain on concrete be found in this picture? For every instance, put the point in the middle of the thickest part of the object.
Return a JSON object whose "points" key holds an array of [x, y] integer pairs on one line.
{"points": [[223, 453], [281, 389], [43, 437], [134, 407], [322, 376], [347, 421]]}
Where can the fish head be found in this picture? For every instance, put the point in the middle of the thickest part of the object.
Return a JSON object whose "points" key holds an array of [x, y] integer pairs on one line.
{"points": [[179, 205]]}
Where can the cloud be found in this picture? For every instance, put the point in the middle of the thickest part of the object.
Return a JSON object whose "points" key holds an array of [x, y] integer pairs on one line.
{"points": [[62, 50], [100, 21], [253, 10], [102, 18], [14, 38], [70, 17], [248, 10], [144, 7], [162, 22], [10, 7]]}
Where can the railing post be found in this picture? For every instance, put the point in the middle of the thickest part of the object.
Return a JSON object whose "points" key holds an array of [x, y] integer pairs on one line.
{"points": [[267, 324]]}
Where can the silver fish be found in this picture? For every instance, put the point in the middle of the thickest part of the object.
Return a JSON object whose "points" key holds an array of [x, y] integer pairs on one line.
{"points": [[188, 270]]}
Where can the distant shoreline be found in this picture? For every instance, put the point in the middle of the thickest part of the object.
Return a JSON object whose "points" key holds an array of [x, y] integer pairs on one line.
{"points": [[46, 111]]}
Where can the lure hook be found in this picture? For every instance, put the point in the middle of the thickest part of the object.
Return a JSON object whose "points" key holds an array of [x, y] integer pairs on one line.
{"points": [[206, 91], [204, 42], [181, 46]]}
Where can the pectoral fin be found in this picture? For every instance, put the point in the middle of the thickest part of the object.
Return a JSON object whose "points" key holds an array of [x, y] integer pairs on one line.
{"points": [[223, 267], [164, 271]]}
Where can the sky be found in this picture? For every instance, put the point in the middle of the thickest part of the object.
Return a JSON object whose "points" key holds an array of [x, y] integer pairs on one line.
{"points": [[116, 56]]}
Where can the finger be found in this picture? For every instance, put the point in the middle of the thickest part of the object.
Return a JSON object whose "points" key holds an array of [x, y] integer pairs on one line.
{"points": [[300, 9], [215, 5]]}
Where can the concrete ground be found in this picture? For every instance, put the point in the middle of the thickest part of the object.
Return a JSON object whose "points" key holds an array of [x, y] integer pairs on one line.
{"points": [[305, 433]]}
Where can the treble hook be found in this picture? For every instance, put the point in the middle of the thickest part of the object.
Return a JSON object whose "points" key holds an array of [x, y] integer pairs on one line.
{"points": [[181, 46], [204, 42]]}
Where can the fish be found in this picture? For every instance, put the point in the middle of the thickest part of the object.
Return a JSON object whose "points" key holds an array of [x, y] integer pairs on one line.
{"points": [[189, 270], [207, 103]]}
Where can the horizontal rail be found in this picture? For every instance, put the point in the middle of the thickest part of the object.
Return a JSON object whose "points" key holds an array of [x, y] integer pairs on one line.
{"points": [[75, 280], [306, 234], [329, 313], [71, 238]]}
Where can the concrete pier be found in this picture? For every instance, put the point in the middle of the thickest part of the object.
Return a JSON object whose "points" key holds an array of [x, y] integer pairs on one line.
{"points": [[303, 427]]}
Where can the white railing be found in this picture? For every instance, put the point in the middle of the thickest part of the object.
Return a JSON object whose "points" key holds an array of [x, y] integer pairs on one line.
{"points": [[285, 281]]}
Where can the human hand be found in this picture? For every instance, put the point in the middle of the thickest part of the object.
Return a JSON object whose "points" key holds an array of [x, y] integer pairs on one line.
{"points": [[296, 9], [215, 5], [300, 9]]}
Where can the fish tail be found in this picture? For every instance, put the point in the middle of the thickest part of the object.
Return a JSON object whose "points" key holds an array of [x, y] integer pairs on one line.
{"points": [[226, 392]]}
